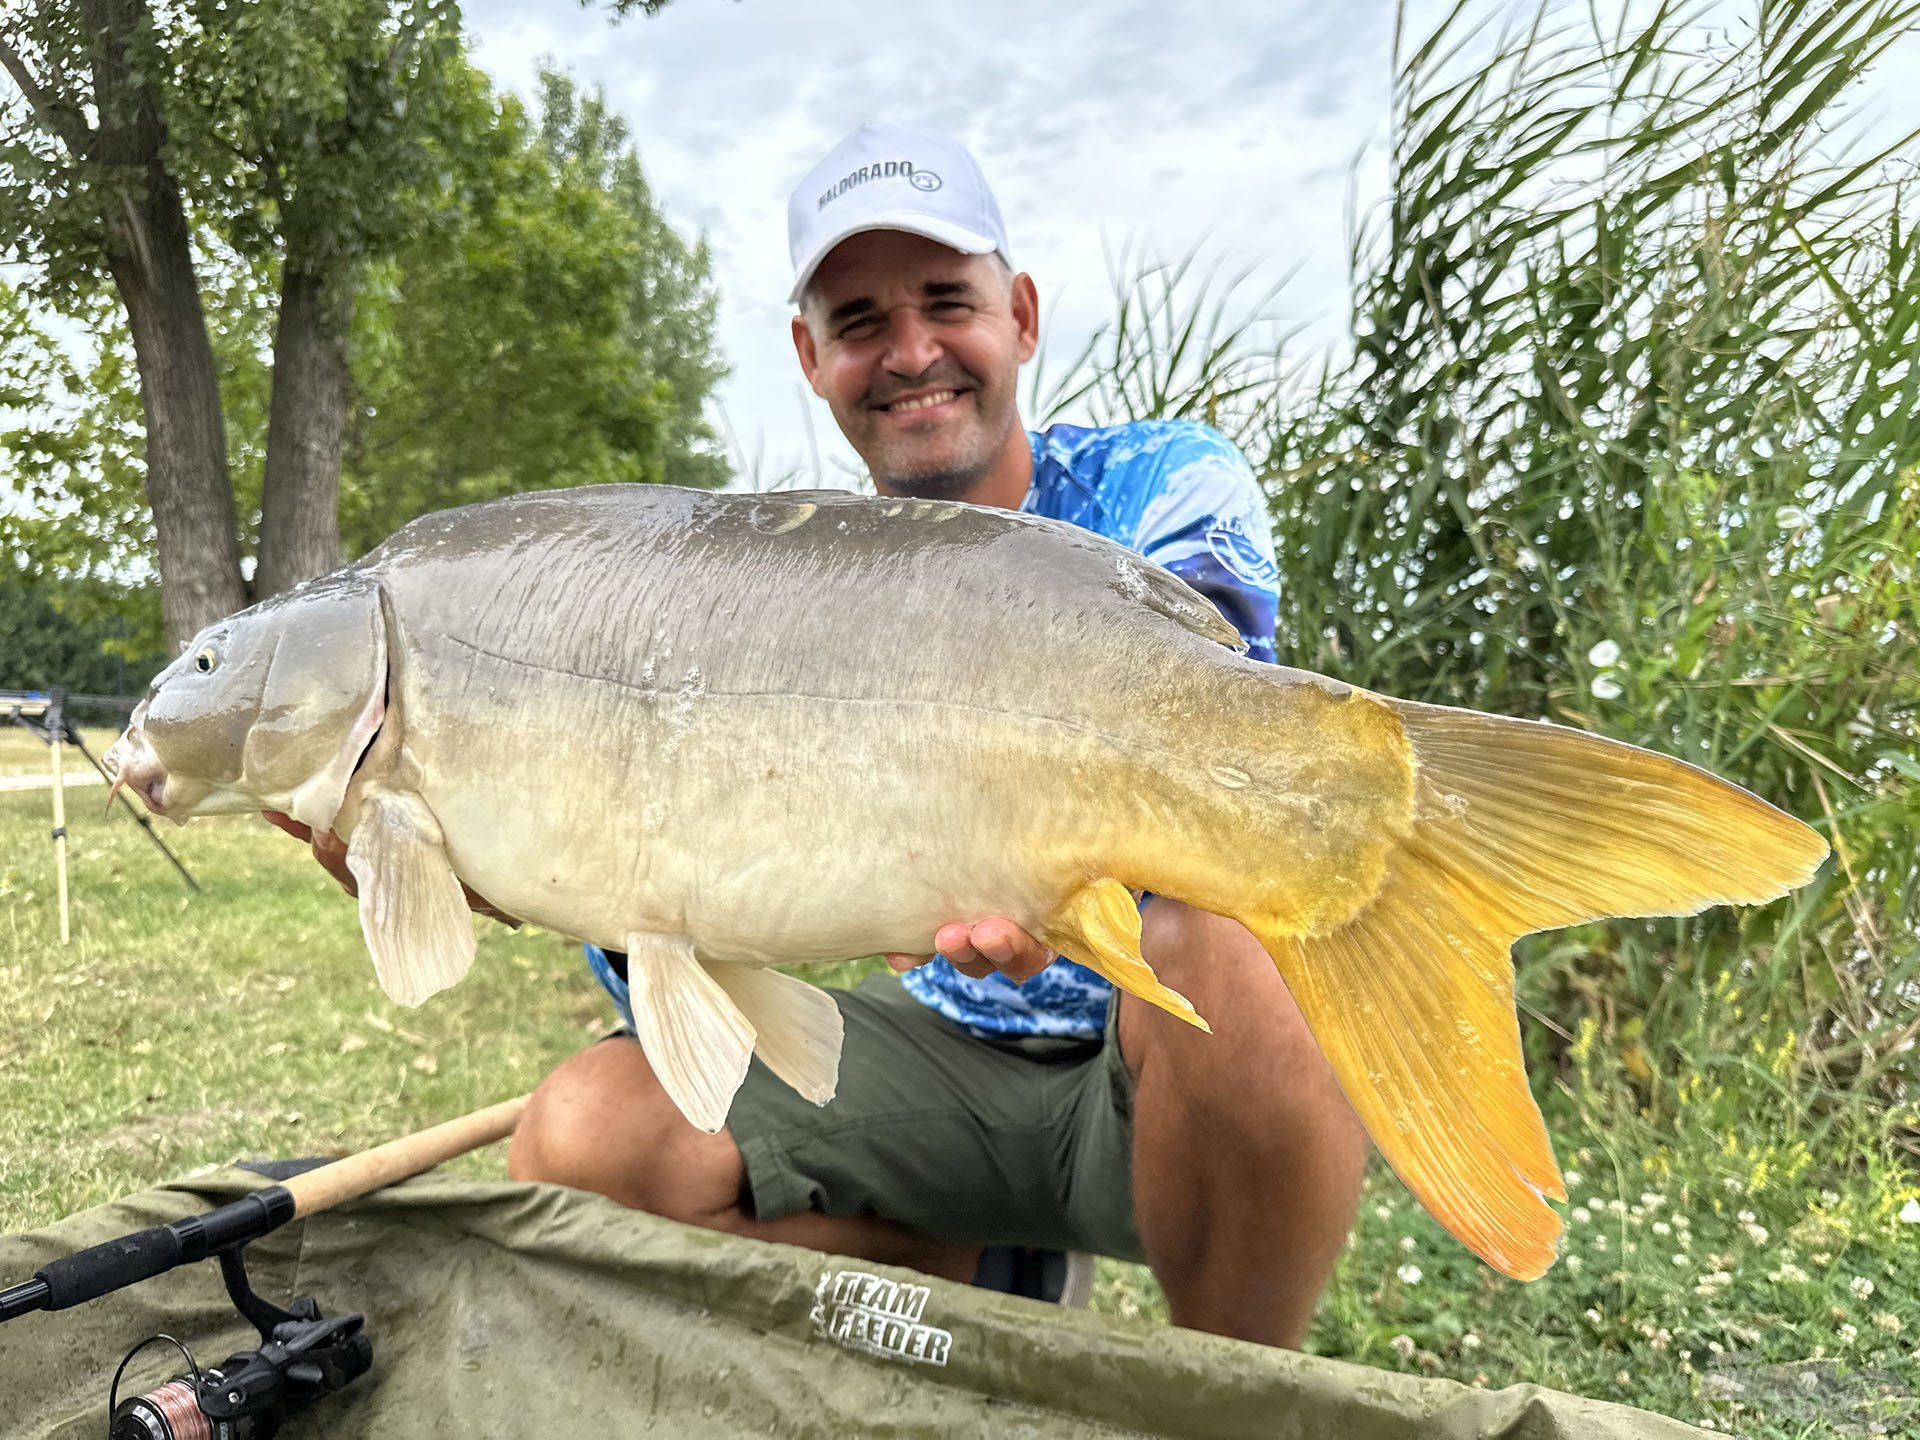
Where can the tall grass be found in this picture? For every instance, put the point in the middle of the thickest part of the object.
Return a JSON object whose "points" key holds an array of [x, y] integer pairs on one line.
{"points": [[1627, 435]]}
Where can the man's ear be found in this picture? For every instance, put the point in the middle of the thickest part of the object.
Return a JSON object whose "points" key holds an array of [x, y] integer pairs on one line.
{"points": [[809, 357], [1026, 314]]}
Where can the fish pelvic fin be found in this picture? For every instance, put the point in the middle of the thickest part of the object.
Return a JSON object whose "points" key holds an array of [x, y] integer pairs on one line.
{"points": [[1517, 826], [797, 1025], [1099, 927], [694, 1035], [412, 911]]}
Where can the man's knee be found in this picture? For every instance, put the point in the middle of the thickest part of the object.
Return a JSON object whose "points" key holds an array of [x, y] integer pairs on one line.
{"points": [[601, 1121], [1260, 1073]]}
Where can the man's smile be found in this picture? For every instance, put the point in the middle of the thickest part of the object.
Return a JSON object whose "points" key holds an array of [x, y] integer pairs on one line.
{"points": [[925, 404]]}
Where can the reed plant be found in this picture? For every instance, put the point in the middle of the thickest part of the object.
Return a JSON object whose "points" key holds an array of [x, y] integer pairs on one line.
{"points": [[1626, 434]]}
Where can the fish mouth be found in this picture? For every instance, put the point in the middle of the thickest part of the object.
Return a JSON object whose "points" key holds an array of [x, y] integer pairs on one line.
{"points": [[132, 765]]}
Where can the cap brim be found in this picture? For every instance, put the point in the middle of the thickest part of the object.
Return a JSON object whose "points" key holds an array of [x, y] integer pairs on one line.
{"points": [[954, 237]]}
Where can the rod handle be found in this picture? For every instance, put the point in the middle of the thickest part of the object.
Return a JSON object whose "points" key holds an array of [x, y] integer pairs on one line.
{"points": [[370, 1170]]}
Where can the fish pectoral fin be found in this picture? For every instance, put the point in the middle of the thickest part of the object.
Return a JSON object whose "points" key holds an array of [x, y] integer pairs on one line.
{"points": [[694, 1034], [798, 1026], [1099, 927], [412, 910]]}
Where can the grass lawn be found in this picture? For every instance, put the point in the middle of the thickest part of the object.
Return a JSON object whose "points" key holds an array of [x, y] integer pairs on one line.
{"points": [[1736, 1274]]}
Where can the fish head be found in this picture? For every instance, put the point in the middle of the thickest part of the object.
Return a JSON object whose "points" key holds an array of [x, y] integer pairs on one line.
{"points": [[270, 709]]}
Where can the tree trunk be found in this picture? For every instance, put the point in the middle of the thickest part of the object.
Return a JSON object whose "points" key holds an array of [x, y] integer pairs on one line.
{"points": [[150, 255], [300, 500]]}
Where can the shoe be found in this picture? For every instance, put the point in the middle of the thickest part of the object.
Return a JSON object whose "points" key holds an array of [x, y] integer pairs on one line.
{"points": [[1057, 1277]]}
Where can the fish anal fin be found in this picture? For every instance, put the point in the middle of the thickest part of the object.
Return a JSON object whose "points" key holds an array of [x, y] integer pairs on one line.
{"points": [[798, 1026], [412, 911], [1099, 927], [694, 1035]]}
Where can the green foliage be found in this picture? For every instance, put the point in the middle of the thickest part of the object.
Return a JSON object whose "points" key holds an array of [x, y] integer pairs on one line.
{"points": [[526, 315], [551, 329], [1627, 437], [73, 635]]}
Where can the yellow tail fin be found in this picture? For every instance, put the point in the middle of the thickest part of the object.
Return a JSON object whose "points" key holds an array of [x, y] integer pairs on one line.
{"points": [[1517, 827]]}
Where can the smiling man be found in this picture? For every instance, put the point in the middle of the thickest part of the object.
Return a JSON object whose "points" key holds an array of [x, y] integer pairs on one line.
{"points": [[992, 1104]]}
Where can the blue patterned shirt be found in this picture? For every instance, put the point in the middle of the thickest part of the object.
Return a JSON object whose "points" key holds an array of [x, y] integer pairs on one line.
{"points": [[1182, 495]]}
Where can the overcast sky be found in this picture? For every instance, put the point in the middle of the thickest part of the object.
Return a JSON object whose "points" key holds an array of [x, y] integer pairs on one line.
{"points": [[1138, 122]]}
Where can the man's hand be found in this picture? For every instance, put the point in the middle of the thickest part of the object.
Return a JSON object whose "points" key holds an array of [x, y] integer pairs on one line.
{"points": [[979, 949], [331, 851]]}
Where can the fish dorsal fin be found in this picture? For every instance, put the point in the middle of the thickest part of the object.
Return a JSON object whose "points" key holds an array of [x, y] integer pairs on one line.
{"points": [[694, 1035], [412, 910], [1181, 603], [1099, 927], [798, 1026]]}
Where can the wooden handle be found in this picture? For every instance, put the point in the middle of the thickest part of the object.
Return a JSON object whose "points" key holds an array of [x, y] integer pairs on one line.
{"points": [[374, 1169]]}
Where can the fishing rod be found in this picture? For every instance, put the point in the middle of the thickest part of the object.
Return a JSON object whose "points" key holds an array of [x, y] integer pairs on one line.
{"points": [[303, 1355]]}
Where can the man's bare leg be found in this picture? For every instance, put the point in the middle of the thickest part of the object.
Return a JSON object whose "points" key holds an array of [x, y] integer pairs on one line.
{"points": [[1247, 1159], [602, 1122]]}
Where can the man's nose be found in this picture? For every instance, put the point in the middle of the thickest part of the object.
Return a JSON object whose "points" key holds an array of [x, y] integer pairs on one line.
{"points": [[912, 346]]}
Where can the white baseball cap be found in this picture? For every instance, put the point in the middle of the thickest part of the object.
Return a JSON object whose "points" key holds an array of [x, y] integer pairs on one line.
{"points": [[892, 177]]}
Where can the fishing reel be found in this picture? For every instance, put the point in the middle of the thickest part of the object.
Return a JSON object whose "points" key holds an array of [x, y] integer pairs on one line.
{"points": [[303, 1357]]}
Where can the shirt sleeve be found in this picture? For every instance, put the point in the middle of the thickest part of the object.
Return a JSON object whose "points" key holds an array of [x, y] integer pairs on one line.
{"points": [[1207, 523]]}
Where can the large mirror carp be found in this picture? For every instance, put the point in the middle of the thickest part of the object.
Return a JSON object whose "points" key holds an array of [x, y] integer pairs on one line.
{"points": [[721, 731]]}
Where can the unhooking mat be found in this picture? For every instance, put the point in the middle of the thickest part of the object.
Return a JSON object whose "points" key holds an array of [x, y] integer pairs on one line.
{"points": [[507, 1310]]}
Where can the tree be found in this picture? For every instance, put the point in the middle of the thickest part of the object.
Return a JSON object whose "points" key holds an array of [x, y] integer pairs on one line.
{"points": [[298, 132], [377, 263], [551, 329]]}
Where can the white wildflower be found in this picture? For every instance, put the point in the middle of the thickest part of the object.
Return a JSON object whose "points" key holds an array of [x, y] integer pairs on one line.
{"points": [[1471, 1341], [1604, 687], [1381, 1212], [1407, 1243], [1910, 1212], [1680, 1259], [1574, 1264], [1572, 1177], [1848, 1334], [1403, 1346], [1661, 1227], [1594, 1317], [1652, 1199], [1409, 1274], [1888, 1321], [1829, 1199], [1604, 655], [1789, 1271], [1581, 1215], [1860, 1286], [1758, 1234], [1746, 1217]]}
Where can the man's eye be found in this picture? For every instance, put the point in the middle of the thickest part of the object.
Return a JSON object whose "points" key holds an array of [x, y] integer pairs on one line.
{"points": [[858, 327]]}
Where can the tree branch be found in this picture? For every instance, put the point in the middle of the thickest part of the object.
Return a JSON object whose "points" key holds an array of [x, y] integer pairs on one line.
{"points": [[60, 116]]}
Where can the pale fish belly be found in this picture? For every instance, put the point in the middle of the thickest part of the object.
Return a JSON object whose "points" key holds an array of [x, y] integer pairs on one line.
{"points": [[765, 827]]}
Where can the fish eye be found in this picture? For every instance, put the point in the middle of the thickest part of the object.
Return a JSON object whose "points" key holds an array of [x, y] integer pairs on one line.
{"points": [[205, 661]]}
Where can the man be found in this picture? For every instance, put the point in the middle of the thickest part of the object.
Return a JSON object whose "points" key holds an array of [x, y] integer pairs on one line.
{"points": [[973, 1109], [989, 1098]]}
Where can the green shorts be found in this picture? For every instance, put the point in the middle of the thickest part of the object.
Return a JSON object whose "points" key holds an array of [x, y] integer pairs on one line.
{"points": [[1026, 1140]]}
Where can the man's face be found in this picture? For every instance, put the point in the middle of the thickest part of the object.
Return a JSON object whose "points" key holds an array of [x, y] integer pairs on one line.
{"points": [[917, 349]]}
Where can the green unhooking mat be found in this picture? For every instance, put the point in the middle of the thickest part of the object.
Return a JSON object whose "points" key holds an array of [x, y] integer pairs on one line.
{"points": [[530, 1310]]}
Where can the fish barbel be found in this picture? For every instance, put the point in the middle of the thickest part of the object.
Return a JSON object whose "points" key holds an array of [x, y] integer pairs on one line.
{"points": [[722, 731]]}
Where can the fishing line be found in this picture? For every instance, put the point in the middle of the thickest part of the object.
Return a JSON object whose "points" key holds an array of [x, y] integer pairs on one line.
{"points": [[174, 1408]]}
